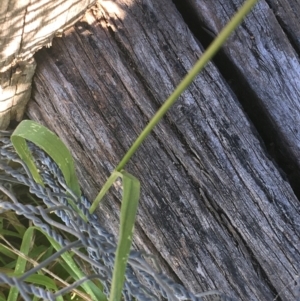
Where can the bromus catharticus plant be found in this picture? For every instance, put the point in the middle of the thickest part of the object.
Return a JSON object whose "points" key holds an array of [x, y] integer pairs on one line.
{"points": [[53, 146]]}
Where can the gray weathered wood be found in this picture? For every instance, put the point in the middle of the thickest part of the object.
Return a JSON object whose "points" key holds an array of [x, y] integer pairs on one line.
{"points": [[214, 207], [261, 52], [287, 13], [25, 27]]}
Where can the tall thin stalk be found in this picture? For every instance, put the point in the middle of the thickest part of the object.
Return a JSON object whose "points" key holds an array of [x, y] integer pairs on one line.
{"points": [[198, 67]]}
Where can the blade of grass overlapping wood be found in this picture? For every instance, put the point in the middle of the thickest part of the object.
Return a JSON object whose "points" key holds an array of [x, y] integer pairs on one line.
{"points": [[113, 177], [200, 64], [130, 199], [51, 144]]}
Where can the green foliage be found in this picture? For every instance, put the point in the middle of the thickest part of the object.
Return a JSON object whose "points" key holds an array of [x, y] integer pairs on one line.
{"points": [[131, 195], [33, 246], [75, 271], [21, 262], [51, 144]]}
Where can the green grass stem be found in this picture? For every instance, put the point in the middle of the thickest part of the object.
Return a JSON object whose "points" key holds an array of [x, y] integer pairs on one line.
{"points": [[198, 67], [104, 189]]}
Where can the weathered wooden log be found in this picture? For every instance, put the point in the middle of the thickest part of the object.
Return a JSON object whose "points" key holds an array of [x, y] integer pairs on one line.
{"points": [[265, 57], [214, 207], [287, 13], [25, 27]]}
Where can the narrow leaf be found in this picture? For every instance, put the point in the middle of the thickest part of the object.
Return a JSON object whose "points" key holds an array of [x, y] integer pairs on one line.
{"points": [[74, 271], [5, 250], [131, 194], [21, 262], [104, 189], [51, 144]]}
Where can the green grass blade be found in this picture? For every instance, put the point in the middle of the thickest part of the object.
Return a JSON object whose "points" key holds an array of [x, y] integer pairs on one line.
{"points": [[23, 151], [13, 220], [37, 253], [188, 79], [40, 280], [104, 189], [9, 233], [5, 251], [21, 262], [131, 195], [74, 271], [89, 286], [51, 144], [11, 265]]}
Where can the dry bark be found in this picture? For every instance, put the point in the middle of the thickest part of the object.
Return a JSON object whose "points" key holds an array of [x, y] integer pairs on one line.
{"points": [[214, 207], [264, 52], [287, 13]]}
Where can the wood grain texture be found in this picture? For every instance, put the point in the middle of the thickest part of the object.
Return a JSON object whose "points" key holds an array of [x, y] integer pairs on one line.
{"points": [[264, 51], [27, 26], [214, 208], [15, 91], [287, 13]]}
